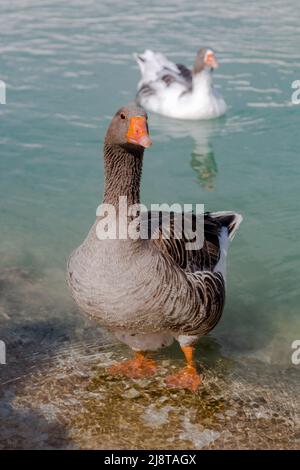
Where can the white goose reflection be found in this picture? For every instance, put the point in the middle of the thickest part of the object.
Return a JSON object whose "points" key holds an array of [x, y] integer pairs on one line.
{"points": [[202, 154]]}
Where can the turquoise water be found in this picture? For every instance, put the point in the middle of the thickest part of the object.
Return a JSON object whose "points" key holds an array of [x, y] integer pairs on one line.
{"points": [[68, 67]]}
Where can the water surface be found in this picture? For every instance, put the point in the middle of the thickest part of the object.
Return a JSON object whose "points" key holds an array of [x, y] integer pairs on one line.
{"points": [[68, 67]]}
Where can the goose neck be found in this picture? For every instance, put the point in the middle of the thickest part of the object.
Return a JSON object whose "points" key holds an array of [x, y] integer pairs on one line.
{"points": [[123, 170]]}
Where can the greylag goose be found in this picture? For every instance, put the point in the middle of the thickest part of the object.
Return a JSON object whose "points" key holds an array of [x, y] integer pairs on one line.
{"points": [[176, 91], [148, 291]]}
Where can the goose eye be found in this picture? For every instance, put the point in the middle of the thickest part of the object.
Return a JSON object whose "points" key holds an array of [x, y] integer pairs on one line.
{"points": [[122, 116]]}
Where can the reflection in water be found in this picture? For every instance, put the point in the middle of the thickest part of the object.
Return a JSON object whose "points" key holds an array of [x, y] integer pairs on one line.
{"points": [[202, 156], [204, 165]]}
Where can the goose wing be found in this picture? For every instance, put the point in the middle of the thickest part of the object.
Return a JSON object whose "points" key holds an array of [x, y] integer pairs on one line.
{"points": [[203, 270], [156, 68], [181, 75], [164, 230]]}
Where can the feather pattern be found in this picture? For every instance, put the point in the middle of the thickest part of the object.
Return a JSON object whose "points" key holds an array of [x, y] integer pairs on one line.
{"points": [[199, 266]]}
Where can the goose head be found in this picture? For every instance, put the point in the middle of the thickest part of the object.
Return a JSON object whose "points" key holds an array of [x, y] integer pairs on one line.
{"points": [[205, 60], [126, 139], [129, 128]]}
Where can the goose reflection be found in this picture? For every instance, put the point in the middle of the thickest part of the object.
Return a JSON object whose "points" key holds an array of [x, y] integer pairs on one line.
{"points": [[202, 154]]}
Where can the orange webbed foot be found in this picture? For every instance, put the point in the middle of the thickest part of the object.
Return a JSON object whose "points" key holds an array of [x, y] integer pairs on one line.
{"points": [[187, 378], [136, 368]]}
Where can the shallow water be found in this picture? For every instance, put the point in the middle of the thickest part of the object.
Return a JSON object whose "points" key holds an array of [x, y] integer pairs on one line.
{"points": [[67, 69]]}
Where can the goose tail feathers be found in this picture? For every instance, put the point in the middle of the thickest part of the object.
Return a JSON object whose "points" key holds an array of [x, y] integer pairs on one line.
{"points": [[228, 219]]}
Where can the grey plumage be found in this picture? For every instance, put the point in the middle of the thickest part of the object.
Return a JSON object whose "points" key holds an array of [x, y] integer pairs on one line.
{"points": [[148, 286]]}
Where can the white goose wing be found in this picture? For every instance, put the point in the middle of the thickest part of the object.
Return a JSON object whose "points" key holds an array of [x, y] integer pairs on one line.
{"points": [[156, 69]]}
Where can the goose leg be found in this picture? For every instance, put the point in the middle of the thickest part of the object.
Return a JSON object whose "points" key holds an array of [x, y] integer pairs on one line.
{"points": [[187, 377], [140, 366]]}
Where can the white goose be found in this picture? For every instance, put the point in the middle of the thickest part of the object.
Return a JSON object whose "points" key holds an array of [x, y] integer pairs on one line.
{"points": [[176, 91]]}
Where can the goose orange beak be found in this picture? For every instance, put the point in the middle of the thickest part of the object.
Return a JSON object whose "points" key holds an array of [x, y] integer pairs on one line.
{"points": [[138, 132], [211, 60]]}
